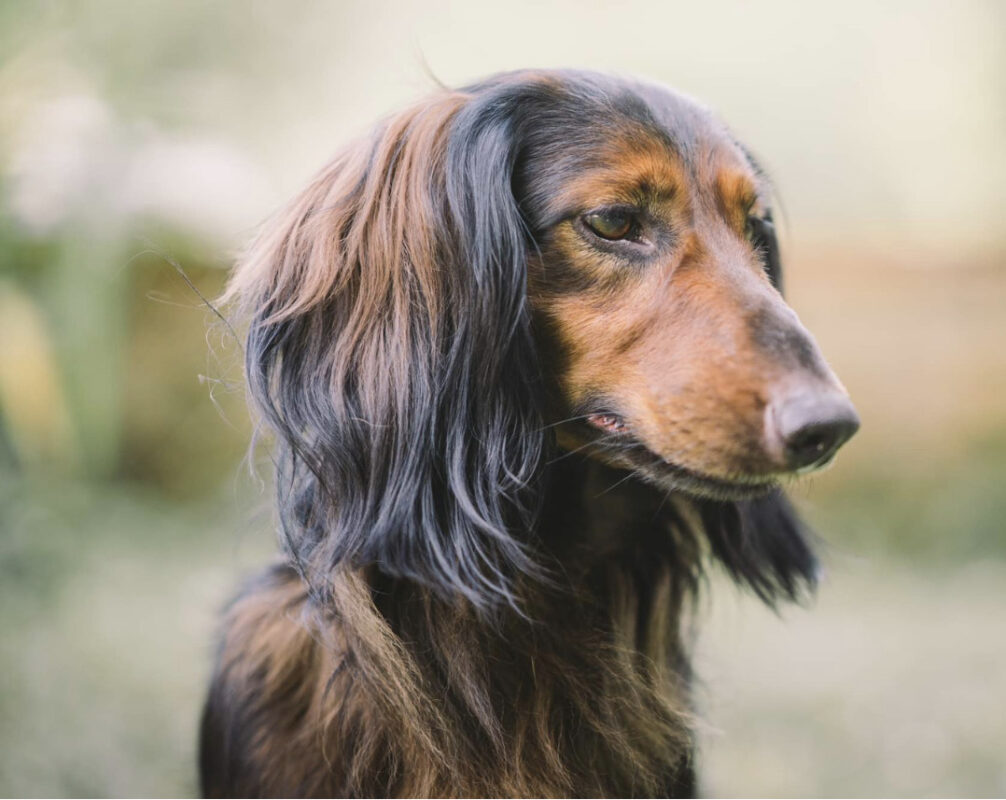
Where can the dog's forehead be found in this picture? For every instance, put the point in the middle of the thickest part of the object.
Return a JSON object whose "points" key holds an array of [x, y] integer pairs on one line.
{"points": [[692, 128], [615, 140], [688, 131]]}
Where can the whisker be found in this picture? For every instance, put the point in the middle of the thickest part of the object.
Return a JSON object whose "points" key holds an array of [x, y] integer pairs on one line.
{"points": [[563, 422], [632, 474], [596, 443]]}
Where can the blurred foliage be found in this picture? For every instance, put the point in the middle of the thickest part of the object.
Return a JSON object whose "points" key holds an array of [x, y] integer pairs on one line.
{"points": [[108, 604], [150, 377], [185, 431], [953, 512]]}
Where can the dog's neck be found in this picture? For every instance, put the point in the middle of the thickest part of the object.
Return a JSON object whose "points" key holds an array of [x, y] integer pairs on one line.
{"points": [[598, 507], [595, 516], [611, 617]]}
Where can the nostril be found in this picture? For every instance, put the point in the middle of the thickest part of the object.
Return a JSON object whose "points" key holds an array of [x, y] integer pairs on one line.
{"points": [[811, 428], [814, 444]]}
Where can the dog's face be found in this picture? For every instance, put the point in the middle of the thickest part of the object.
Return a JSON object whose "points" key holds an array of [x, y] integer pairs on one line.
{"points": [[655, 288], [542, 252]]}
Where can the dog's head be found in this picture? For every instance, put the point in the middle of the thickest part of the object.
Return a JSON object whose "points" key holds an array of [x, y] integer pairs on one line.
{"points": [[541, 258], [657, 278]]}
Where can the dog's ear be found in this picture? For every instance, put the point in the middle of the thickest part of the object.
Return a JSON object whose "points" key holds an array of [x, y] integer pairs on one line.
{"points": [[390, 351], [763, 544]]}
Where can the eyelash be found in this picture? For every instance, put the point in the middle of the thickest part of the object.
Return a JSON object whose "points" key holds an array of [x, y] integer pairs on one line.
{"points": [[757, 228]]}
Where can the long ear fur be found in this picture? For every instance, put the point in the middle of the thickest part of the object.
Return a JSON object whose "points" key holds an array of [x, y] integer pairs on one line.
{"points": [[390, 351]]}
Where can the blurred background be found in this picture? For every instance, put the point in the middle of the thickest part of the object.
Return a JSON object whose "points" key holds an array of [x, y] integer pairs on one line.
{"points": [[137, 138]]}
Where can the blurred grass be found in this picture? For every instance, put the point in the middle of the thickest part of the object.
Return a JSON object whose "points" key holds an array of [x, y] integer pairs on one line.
{"points": [[108, 603], [952, 512], [890, 685]]}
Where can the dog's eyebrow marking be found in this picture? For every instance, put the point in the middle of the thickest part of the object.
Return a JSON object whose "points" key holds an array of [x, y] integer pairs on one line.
{"points": [[736, 194], [639, 170]]}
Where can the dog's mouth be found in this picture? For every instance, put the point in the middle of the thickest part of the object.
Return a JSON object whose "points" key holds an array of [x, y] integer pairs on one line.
{"points": [[621, 446], [670, 475]]}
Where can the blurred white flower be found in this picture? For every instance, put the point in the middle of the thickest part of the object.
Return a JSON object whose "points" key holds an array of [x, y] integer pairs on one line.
{"points": [[64, 157], [203, 186], [75, 163]]}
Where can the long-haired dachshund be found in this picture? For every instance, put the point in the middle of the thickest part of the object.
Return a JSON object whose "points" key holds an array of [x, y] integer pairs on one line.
{"points": [[527, 364]]}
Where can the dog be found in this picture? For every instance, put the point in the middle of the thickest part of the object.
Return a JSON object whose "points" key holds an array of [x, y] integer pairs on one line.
{"points": [[528, 368]]}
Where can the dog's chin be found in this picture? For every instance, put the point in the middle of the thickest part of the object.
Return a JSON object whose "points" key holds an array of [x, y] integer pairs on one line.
{"points": [[673, 477], [676, 478], [625, 451]]}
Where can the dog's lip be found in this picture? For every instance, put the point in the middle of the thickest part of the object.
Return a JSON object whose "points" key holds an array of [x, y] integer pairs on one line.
{"points": [[740, 487], [690, 479], [687, 479]]}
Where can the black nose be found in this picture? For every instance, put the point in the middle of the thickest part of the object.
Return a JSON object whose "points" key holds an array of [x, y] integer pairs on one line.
{"points": [[811, 427]]}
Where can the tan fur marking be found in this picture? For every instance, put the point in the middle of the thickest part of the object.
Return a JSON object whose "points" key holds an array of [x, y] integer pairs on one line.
{"points": [[671, 340]]}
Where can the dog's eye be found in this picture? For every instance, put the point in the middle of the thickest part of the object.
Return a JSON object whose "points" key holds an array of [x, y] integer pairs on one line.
{"points": [[758, 229], [611, 223]]}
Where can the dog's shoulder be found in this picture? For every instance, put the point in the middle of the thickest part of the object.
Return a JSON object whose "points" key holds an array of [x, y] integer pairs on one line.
{"points": [[268, 674], [266, 624]]}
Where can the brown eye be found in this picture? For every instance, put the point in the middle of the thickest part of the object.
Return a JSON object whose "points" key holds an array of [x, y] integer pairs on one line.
{"points": [[610, 224]]}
